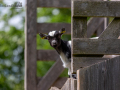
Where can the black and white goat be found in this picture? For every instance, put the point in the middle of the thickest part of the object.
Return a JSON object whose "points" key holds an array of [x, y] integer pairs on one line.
{"points": [[62, 47]]}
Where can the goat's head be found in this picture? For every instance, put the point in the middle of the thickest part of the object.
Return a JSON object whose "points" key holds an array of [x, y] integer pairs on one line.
{"points": [[54, 37]]}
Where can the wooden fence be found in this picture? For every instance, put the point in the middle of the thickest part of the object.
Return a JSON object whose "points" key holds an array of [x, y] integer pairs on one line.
{"points": [[95, 24], [93, 71]]}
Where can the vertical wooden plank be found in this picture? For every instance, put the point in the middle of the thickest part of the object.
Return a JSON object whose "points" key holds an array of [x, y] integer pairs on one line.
{"points": [[91, 77], [73, 84], [101, 76], [30, 45], [67, 85], [113, 74], [79, 27]]}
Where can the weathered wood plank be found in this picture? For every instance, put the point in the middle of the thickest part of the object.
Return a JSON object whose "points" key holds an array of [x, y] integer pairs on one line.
{"points": [[47, 55], [96, 8], [101, 76], [46, 27], [79, 27], [91, 77], [54, 88], [112, 31], [67, 85], [100, 29], [30, 45], [73, 84], [82, 62], [51, 76], [112, 74], [54, 3], [93, 25], [59, 82], [96, 46]]}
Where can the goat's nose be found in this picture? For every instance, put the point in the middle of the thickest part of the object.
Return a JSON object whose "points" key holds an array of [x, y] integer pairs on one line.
{"points": [[54, 42]]}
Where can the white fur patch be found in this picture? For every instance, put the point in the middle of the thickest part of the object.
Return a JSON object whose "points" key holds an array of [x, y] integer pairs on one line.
{"points": [[66, 62], [52, 33], [69, 43]]}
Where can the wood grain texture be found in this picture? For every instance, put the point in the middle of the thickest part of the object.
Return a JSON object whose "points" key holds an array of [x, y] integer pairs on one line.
{"points": [[96, 8], [47, 55], [73, 84], [91, 77], [59, 82], [82, 62], [101, 76], [94, 24], [51, 76], [54, 88], [100, 29], [96, 46], [79, 27], [67, 85], [30, 46], [112, 31], [54, 3], [47, 27]]}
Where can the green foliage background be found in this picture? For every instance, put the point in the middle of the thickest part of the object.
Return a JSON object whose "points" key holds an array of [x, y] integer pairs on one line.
{"points": [[12, 39]]}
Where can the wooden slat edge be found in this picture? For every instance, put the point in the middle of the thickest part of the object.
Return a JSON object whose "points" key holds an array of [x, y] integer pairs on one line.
{"points": [[54, 88], [59, 82], [96, 8], [30, 45], [82, 62], [73, 84], [67, 85], [96, 46]]}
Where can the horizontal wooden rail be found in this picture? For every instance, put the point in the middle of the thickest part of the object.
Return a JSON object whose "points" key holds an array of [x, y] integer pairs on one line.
{"points": [[96, 8], [96, 46], [46, 27], [47, 55], [54, 3]]}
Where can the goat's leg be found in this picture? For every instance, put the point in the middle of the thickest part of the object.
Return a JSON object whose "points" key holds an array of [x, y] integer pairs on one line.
{"points": [[70, 74]]}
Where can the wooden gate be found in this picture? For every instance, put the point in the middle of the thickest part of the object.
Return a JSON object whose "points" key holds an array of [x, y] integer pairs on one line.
{"points": [[94, 72], [86, 53]]}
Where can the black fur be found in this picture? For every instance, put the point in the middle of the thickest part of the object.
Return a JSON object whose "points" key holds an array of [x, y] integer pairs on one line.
{"points": [[65, 48]]}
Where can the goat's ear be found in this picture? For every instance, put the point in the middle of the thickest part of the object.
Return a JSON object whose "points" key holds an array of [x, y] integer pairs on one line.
{"points": [[43, 36], [62, 31]]}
